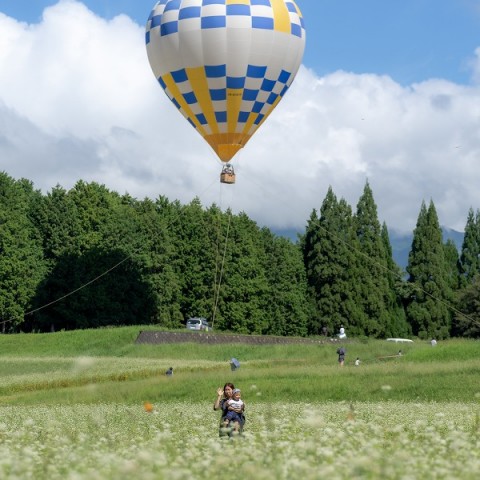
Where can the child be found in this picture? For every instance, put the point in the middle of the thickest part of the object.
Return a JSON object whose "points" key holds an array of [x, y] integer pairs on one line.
{"points": [[357, 362], [235, 406]]}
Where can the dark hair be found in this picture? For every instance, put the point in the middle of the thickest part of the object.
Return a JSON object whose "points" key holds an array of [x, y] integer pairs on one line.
{"points": [[231, 385]]}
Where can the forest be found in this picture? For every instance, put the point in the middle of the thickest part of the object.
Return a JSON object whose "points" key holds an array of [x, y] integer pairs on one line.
{"points": [[90, 257]]}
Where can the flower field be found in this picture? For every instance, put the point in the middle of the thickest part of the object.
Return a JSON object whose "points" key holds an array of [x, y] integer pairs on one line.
{"points": [[334, 440]]}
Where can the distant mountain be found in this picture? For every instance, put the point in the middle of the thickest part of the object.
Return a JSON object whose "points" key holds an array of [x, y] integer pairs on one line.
{"points": [[290, 233], [401, 242]]}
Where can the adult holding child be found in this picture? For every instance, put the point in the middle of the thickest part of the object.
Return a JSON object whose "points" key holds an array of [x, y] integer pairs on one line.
{"points": [[224, 395], [235, 409]]}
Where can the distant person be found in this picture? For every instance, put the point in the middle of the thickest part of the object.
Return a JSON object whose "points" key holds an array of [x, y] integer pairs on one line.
{"points": [[235, 409], [342, 333], [325, 331], [399, 353], [357, 362], [228, 168], [341, 356], [169, 372], [433, 342]]}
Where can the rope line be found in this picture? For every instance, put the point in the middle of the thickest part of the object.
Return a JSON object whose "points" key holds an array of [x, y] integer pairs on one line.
{"points": [[98, 277], [30, 312], [217, 294], [217, 286], [217, 255]]}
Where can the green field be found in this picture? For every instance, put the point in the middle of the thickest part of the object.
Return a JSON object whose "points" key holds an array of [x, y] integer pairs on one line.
{"points": [[71, 406]]}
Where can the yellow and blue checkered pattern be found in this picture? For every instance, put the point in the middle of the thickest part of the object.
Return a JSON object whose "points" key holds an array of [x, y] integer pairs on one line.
{"points": [[225, 13], [225, 64]]}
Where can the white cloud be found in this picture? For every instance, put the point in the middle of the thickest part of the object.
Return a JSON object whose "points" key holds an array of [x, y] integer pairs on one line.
{"points": [[78, 101], [475, 66]]}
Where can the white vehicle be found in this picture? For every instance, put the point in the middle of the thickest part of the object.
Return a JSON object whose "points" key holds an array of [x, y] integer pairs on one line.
{"points": [[399, 340], [198, 323]]}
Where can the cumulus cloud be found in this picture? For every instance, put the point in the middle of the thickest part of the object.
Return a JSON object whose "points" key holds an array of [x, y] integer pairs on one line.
{"points": [[78, 101]]}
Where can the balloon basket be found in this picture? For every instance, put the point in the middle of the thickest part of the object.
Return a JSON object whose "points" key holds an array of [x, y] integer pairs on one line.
{"points": [[228, 178]]}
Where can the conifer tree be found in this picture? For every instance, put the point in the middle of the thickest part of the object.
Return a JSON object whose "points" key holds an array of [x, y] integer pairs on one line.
{"points": [[467, 323], [397, 325], [452, 266], [329, 263], [156, 234], [89, 232], [244, 289], [307, 246], [195, 254], [286, 308], [427, 311], [470, 253], [22, 266], [372, 286]]}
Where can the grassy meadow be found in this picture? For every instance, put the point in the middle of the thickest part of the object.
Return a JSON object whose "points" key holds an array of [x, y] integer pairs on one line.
{"points": [[72, 407]]}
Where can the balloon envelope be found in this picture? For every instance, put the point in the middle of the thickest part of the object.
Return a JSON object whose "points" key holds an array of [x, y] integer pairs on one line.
{"points": [[225, 64]]}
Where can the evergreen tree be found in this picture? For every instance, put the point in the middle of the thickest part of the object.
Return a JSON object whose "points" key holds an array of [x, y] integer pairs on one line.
{"points": [[467, 323], [195, 257], [427, 311], [307, 246], [286, 307], [453, 266], [22, 266], [94, 280], [397, 325], [157, 257], [330, 263], [244, 291], [470, 253], [372, 285], [57, 218]]}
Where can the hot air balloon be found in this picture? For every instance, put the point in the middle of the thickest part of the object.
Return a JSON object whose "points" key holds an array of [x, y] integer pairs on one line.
{"points": [[225, 64]]}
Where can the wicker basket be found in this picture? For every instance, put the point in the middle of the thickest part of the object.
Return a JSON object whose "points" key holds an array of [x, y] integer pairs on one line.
{"points": [[227, 178]]}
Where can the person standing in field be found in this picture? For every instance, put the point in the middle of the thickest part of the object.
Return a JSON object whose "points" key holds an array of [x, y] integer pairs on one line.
{"points": [[341, 356], [357, 362]]}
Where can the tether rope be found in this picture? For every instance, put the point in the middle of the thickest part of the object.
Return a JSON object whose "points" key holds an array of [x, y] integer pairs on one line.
{"points": [[218, 287], [98, 277], [220, 266]]}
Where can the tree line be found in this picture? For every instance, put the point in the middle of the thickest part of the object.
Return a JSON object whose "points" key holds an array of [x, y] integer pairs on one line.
{"points": [[90, 257]]}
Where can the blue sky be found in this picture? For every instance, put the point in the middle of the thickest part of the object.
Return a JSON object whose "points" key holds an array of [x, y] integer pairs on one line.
{"points": [[389, 92], [410, 40]]}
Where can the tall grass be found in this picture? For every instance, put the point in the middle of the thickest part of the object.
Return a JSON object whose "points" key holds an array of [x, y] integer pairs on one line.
{"points": [[105, 365]]}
